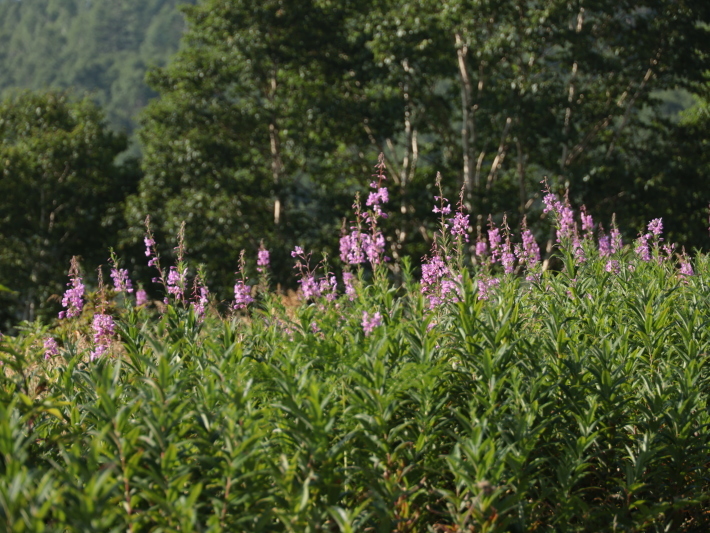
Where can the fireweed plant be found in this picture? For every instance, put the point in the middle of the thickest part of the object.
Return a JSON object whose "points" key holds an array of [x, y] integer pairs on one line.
{"points": [[498, 397]]}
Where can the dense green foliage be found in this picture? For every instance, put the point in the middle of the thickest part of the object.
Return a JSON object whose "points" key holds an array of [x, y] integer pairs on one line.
{"points": [[576, 402], [61, 195], [103, 48]]}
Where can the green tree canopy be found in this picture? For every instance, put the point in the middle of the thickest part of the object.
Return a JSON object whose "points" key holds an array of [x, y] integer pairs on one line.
{"points": [[270, 111], [242, 141], [60, 195]]}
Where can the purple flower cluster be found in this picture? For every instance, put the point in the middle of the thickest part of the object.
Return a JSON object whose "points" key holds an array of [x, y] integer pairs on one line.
{"points": [[507, 257], [552, 204], [176, 282], [141, 297], [460, 225], [201, 297], [655, 229], [686, 269], [642, 247], [201, 302], [610, 244], [121, 281], [242, 295], [444, 208], [494, 241], [50, 347], [529, 252], [104, 329], [73, 299], [587, 222], [604, 245], [656, 226], [369, 323], [613, 266], [150, 251], [358, 247], [351, 248], [262, 260], [485, 285], [310, 289], [328, 287], [348, 281], [669, 250], [481, 247], [378, 197], [566, 226], [439, 284]]}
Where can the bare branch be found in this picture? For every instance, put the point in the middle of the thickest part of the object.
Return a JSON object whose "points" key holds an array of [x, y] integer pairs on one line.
{"points": [[500, 155], [630, 105]]}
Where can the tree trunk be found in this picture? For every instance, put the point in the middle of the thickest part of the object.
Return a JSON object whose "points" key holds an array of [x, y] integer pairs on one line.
{"points": [[276, 162], [467, 126]]}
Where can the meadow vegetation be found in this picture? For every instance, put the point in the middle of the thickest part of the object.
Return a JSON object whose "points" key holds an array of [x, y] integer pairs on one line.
{"points": [[493, 394]]}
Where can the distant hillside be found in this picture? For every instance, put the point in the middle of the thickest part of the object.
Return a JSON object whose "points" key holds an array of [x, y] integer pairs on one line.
{"points": [[102, 47]]}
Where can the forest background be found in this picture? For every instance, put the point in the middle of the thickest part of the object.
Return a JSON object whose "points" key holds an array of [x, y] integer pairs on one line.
{"points": [[258, 121]]}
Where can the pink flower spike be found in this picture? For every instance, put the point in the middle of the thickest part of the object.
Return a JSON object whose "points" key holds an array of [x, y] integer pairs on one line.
{"points": [[176, 282], [481, 248], [445, 210], [587, 221], [104, 329], [642, 247], [350, 292], [50, 347], [149, 243], [141, 297], [242, 295], [370, 323], [616, 242], [530, 251], [613, 266], [73, 299], [262, 261], [459, 225], [121, 281], [604, 246], [656, 226], [686, 269]]}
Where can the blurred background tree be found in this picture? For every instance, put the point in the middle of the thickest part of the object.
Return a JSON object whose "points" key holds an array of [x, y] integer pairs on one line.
{"points": [[96, 47], [60, 195]]}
